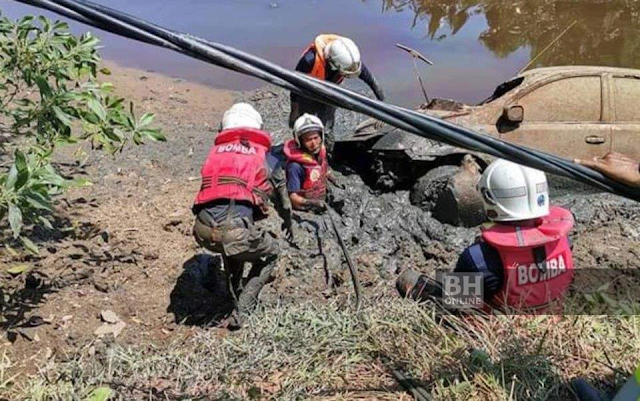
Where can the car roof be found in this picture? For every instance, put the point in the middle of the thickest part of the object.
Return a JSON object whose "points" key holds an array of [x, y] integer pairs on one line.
{"points": [[576, 70]]}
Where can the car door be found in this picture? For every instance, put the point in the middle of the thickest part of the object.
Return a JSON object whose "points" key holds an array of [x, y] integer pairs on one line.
{"points": [[563, 116], [626, 115]]}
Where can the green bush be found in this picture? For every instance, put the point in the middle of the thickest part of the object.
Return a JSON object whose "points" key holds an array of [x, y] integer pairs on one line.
{"points": [[50, 98]]}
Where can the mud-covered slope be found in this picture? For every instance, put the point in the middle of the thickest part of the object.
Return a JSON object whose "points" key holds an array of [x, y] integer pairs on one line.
{"points": [[125, 244]]}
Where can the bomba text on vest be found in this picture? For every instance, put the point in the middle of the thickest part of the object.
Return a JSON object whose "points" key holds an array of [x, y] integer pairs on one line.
{"points": [[531, 274], [236, 148]]}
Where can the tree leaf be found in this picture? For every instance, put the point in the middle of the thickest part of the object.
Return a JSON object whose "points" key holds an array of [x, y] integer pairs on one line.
{"points": [[112, 134], [131, 111], [97, 108], [105, 71], [80, 182], [60, 26], [100, 394], [22, 169], [18, 269], [45, 222], [88, 40], [30, 246], [45, 23], [146, 119], [154, 134], [20, 160], [15, 220], [11, 251], [12, 177], [37, 200], [62, 116], [43, 85]]}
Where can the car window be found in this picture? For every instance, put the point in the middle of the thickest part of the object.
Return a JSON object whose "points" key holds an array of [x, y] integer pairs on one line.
{"points": [[627, 91], [570, 100], [503, 89]]}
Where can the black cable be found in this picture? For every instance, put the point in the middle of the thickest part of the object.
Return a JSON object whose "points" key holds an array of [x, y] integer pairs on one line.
{"points": [[411, 121], [557, 165], [352, 268], [552, 164]]}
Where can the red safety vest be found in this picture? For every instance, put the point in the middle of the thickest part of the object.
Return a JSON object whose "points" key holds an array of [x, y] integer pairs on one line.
{"points": [[236, 168], [319, 45], [527, 286], [314, 185]]}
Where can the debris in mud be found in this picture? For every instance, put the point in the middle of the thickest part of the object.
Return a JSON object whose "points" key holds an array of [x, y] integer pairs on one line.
{"points": [[114, 328], [109, 316]]}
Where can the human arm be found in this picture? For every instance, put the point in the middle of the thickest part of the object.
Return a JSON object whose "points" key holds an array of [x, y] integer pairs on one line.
{"points": [[301, 203], [280, 197], [482, 258], [295, 110], [616, 166], [367, 77], [334, 181], [305, 65], [295, 177]]}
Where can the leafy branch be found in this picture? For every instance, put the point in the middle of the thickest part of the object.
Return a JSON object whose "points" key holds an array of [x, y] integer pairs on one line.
{"points": [[50, 98]]}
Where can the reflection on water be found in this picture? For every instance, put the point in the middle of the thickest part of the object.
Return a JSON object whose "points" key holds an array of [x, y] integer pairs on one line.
{"points": [[601, 32], [475, 44]]}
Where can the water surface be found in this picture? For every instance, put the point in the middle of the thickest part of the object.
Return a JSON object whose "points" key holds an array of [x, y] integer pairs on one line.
{"points": [[475, 44]]}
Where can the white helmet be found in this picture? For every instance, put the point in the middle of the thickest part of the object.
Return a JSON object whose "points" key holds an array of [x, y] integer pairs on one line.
{"points": [[513, 192], [307, 123], [344, 56], [241, 115]]}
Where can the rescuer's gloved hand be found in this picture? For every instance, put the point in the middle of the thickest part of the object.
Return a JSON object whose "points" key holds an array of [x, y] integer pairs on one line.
{"points": [[287, 229], [379, 125], [315, 205], [335, 182]]}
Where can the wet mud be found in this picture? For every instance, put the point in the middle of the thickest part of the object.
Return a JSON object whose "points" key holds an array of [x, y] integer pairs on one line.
{"points": [[386, 233], [125, 244]]}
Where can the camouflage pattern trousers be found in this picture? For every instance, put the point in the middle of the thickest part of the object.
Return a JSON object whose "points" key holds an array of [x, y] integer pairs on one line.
{"points": [[239, 240]]}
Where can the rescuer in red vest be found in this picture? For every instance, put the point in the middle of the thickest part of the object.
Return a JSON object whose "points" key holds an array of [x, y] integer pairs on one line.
{"points": [[307, 167], [524, 255], [239, 177], [330, 58]]}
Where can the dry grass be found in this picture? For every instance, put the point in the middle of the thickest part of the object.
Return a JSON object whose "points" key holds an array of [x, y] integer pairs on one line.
{"points": [[316, 351]]}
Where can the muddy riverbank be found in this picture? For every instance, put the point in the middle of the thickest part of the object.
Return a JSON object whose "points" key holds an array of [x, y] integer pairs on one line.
{"points": [[125, 244]]}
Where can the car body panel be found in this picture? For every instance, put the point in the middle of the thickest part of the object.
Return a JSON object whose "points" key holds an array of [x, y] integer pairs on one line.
{"points": [[572, 111], [625, 96]]}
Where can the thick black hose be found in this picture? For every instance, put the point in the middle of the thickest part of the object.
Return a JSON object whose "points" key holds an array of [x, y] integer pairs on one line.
{"points": [[277, 70], [426, 126], [557, 165], [352, 268]]}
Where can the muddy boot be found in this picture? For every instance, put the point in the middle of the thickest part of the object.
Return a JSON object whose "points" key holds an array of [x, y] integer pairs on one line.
{"points": [[248, 299], [233, 270], [232, 322], [411, 284]]}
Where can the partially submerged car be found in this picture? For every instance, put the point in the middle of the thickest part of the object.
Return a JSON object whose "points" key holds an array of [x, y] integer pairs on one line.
{"points": [[571, 111]]}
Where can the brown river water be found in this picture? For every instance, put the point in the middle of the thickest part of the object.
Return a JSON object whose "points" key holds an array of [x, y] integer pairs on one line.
{"points": [[475, 44]]}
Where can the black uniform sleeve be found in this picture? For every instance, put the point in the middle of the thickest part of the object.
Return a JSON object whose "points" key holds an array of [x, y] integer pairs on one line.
{"points": [[305, 65], [370, 80], [482, 258]]}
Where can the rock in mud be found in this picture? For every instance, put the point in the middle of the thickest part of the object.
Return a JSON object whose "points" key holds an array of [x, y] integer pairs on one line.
{"points": [[109, 328], [109, 316]]}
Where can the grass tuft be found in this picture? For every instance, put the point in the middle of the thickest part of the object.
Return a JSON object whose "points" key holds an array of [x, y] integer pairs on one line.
{"points": [[316, 351]]}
